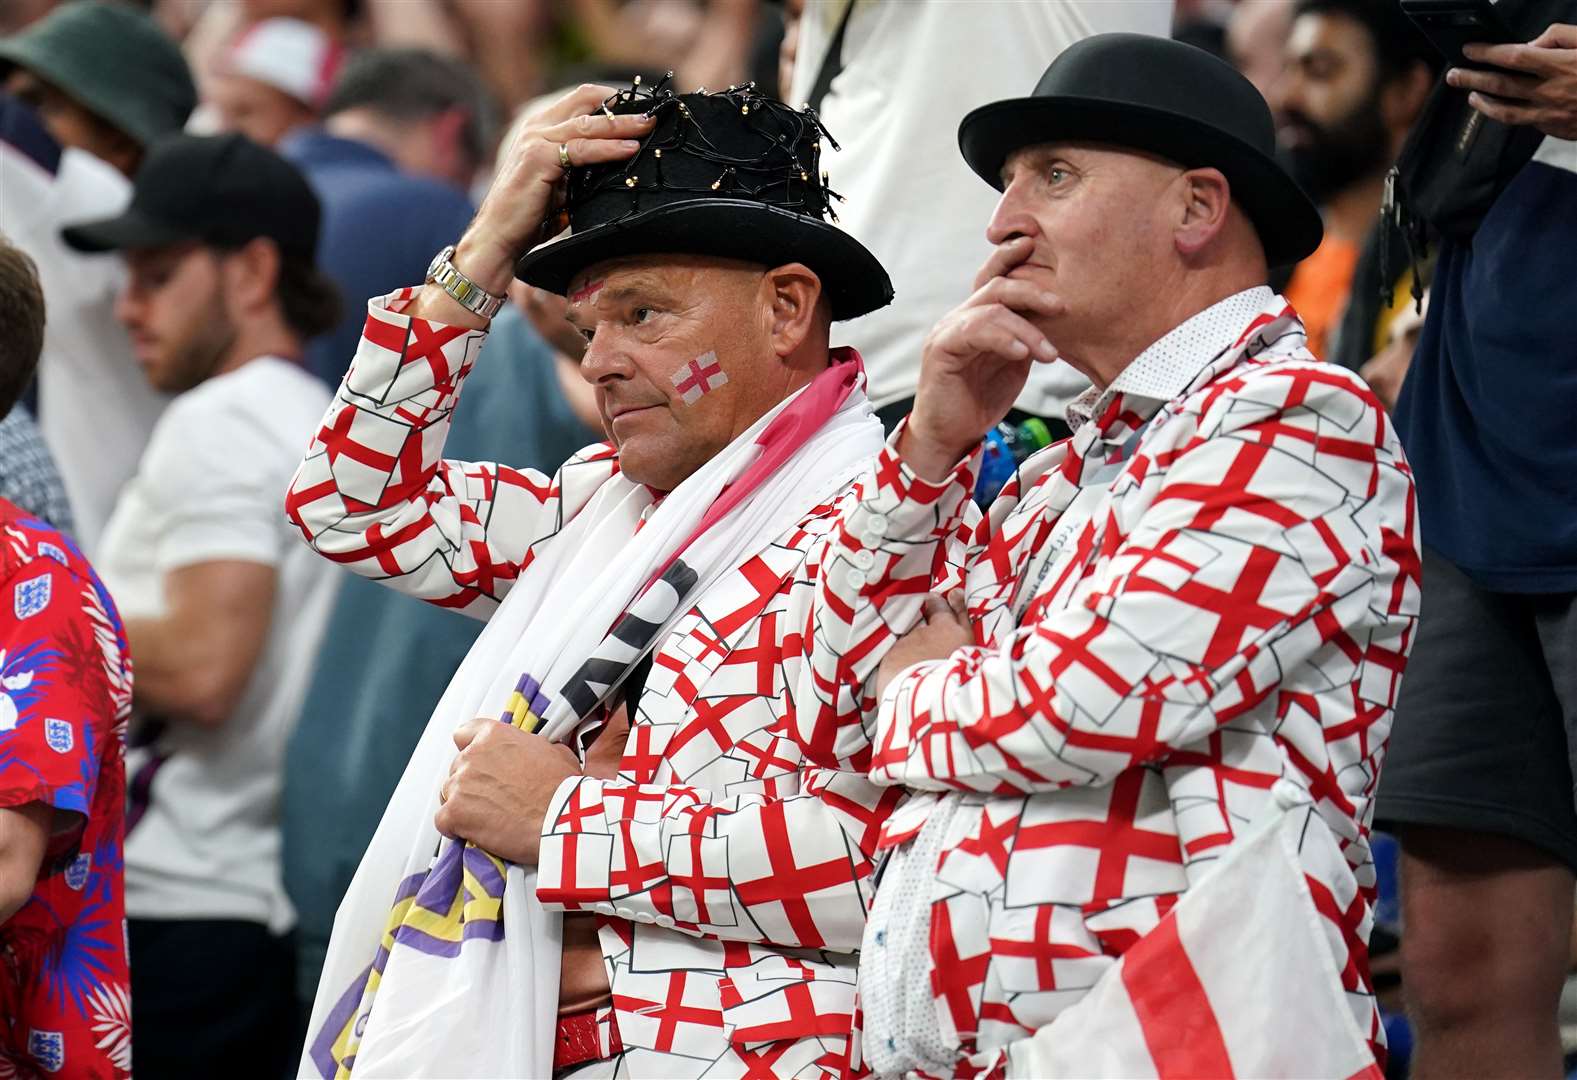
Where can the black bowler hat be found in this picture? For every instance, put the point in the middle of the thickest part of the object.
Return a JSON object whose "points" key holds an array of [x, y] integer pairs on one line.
{"points": [[733, 174], [220, 190], [1164, 97]]}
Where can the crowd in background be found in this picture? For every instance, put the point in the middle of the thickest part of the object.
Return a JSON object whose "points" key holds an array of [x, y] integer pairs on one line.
{"points": [[277, 699]]}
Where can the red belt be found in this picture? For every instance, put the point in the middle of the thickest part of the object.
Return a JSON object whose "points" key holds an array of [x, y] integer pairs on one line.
{"points": [[577, 1041]]}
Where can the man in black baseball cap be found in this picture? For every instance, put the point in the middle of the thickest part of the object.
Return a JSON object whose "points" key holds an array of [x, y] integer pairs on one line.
{"points": [[221, 294], [213, 200], [1177, 610]]}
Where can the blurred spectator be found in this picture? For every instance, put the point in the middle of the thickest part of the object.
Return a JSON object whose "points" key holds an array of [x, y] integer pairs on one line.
{"points": [[405, 132], [275, 78], [102, 77], [224, 608], [1206, 34], [892, 80], [1478, 783], [104, 82], [1357, 73], [1385, 370], [1256, 39], [387, 658], [65, 692]]}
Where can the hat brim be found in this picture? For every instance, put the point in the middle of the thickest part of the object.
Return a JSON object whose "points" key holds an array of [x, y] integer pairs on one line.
{"points": [[852, 279], [1287, 220], [130, 230]]}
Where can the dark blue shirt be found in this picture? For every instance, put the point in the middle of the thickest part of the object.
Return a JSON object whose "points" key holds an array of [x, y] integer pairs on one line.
{"points": [[381, 228], [1488, 412]]}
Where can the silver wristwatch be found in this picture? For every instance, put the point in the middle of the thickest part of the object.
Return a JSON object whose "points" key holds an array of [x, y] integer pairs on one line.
{"points": [[467, 293]]}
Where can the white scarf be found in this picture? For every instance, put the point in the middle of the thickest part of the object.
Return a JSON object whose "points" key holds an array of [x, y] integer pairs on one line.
{"points": [[446, 992]]}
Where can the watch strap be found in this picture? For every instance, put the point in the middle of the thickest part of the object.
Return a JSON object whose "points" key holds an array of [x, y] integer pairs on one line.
{"points": [[467, 293]]}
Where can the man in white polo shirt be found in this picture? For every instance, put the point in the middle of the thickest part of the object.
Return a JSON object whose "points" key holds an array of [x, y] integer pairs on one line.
{"points": [[223, 606]]}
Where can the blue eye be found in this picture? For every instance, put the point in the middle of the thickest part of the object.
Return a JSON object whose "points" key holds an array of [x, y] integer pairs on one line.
{"points": [[1057, 175]]}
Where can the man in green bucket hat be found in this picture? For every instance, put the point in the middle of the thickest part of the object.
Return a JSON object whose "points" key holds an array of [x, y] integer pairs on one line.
{"points": [[103, 77]]}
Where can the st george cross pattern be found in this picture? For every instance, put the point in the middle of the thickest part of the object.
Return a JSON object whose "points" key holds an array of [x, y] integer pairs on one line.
{"points": [[700, 376], [730, 872], [1213, 586]]}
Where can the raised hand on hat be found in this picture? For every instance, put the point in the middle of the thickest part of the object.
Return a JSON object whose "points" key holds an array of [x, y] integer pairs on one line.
{"points": [[527, 190], [975, 363], [1538, 85]]}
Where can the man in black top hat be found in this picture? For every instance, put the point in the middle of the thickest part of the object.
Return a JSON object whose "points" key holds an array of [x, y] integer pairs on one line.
{"points": [[714, 869], [222, 608], [1183, 624]]}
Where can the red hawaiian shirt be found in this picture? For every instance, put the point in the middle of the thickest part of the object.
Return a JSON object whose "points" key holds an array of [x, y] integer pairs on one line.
{"points": [[65, 692]]}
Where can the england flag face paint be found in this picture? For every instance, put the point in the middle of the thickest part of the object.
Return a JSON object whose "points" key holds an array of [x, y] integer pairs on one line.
{"points": [[585, 292], [699, 377]]}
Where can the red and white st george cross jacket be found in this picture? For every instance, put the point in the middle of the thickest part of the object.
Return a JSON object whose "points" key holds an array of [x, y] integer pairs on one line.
{"points": [[730, 874], [1213, 585]]}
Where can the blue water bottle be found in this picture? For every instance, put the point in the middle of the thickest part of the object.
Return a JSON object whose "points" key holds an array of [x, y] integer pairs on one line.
{"points": [[1006, 447]]}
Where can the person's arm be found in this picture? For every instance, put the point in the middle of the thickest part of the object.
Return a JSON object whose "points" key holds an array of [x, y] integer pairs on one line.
{"points": [[793, 872], [898, 538], [193, 662], [1218, 591], [62, 667], [24, 835], [376, 495]]}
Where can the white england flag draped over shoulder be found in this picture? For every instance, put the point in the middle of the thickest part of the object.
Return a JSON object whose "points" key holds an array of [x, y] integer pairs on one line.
{"points": [[443, 963], [1240, 980]]}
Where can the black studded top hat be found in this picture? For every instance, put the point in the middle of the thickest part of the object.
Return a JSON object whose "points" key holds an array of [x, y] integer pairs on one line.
{"points": [[732, 173], [1171, 99]]}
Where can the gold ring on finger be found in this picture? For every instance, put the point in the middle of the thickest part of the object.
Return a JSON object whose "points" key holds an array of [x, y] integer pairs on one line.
{"points": [[563, 155]]}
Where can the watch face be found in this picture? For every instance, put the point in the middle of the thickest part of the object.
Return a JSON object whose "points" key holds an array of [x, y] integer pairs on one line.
{"points": [[438, 260]]}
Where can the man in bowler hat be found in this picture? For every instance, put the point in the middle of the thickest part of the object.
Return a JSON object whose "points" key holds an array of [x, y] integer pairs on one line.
{"points": [[1205, 594]]}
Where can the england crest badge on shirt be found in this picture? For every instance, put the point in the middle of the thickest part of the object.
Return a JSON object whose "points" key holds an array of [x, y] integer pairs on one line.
{"points": [[59, 735], [31, 597], [77, 871], [48, 1048]]}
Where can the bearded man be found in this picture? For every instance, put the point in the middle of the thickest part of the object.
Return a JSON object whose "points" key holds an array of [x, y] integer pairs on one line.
{"points": [[1355, 78], [649, 617], [1207, 593]]}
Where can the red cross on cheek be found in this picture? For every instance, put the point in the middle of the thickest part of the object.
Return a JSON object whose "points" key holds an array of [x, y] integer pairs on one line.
{"points": [[699, 377]]}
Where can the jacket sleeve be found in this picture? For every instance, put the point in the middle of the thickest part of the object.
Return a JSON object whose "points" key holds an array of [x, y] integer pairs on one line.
{"points": [[896, 540], [793, 872], [376, 495], [1272, 535]]}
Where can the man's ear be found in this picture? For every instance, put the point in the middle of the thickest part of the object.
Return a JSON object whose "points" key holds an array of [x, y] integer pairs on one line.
{"points": [[253, 271], [1206, 201], [794, 292]]}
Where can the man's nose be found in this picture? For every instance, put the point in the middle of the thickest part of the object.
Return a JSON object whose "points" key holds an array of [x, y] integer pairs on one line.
{"points": [[127, 308], [604, 359], [1012, 217]]}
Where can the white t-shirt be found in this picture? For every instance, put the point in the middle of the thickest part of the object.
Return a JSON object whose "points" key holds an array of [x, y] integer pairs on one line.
{"points": [[211, 486], [96, 408], [911, 70]]}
